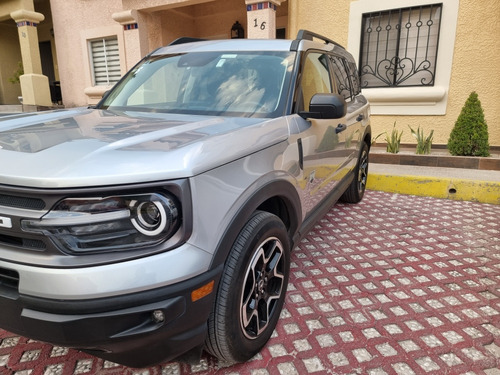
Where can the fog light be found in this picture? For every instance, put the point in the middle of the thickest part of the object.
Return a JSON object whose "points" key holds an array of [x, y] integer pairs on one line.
{"points": [[158, 316]]}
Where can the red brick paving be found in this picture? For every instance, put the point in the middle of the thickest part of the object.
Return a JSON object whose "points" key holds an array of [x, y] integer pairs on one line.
{"points": [[393, 285]]}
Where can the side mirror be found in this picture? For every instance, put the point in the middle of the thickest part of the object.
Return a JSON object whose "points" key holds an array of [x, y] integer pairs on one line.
{"points": [[325, 106]]}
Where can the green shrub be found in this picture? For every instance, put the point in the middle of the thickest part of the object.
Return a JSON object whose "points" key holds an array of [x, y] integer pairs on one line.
{"points": [[18, 73], [423, 143], [393, 140], [469, 136]]}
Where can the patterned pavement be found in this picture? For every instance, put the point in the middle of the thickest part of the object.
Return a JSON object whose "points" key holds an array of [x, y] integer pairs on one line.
{"points": [[394, 285]]}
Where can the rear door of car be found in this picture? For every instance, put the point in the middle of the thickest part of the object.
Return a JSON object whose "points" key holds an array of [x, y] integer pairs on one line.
{"points": [[347, 85]]}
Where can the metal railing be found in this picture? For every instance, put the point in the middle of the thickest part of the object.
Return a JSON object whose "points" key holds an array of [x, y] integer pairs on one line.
{"points": [[399, 47]]}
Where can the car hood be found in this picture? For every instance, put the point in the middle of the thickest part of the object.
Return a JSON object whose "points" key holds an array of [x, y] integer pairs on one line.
{"points": [[90, 147]]}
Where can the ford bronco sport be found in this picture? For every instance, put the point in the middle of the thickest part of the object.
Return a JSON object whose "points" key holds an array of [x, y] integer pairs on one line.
{"points": [[160, 222]]}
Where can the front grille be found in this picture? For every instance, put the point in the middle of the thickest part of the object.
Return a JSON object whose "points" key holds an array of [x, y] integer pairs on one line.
{"points": [[25, 243], [12, 235], [9, 278], [21, 202]]}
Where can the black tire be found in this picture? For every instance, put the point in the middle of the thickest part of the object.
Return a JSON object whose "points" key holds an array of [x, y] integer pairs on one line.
{"points": [[356, 189], [252, 290]]}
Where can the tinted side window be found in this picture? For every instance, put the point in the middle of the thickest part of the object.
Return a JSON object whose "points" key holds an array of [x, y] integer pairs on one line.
{"points": [[341, 77], [354, 76], [315, 79]]}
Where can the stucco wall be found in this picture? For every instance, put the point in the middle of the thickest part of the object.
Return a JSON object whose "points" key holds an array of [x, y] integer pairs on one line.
{"points": [[325, 17], [73, 21], [9, 41], [175, 24], [476, 63], [215, 19], [8, 6]]}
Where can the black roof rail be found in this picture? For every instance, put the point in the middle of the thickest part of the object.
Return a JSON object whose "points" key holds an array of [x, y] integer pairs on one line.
{"points": [[309, 35], [185, 39]]}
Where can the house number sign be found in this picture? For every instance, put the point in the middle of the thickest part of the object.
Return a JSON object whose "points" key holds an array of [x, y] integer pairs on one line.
{"points": [[261, 19], [261, 25]]}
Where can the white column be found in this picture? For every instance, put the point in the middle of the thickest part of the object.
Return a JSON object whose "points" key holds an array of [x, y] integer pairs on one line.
{"points": [[261, 18], [135, 38], [34, 85]]}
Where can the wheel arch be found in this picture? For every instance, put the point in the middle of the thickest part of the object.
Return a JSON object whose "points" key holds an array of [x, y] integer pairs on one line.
{"points": [[367, 137], [277, 197]]}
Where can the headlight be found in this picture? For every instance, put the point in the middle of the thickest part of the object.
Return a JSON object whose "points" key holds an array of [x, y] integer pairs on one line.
{"points": [[109, 223]]}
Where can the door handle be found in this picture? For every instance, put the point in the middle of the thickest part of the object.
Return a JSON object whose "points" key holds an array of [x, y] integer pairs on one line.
{"points": [[360, 117], [301, 153], [340, 128]]}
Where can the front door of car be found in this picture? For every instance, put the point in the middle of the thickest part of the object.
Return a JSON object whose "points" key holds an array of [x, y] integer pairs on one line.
{"points": [[321, 141]]}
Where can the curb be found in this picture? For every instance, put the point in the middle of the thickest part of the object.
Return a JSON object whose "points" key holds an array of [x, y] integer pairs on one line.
{"points": [[449, 188]]}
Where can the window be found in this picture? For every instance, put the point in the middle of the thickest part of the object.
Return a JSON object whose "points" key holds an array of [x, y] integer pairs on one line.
{"points": [[399, 46], [228, 83], [315, 79], [105, 61], [346, 77], [410, 95], [354, 76]]}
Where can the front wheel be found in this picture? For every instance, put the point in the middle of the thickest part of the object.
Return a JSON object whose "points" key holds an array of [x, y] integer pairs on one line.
{"points": [[252, 290], [356, 189]]}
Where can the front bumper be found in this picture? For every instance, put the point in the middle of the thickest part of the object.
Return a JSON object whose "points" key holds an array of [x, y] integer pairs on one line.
{"points": [[121, 328]]}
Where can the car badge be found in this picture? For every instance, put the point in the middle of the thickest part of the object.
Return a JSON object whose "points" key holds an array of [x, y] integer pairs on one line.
{"points": [[5, 222]]}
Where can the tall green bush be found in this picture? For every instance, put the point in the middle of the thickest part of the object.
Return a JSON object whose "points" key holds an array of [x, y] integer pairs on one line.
{"points": [[469, 136]]}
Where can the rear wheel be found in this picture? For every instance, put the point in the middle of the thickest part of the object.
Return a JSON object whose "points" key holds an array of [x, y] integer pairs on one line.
{"points": [[252, 290], [356, 189]]}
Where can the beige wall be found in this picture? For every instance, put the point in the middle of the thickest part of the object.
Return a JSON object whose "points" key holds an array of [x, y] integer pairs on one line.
{"points": [[73, 21], [9, 41], [8, 6], [210, 20], [325, 17], [476, 65]]}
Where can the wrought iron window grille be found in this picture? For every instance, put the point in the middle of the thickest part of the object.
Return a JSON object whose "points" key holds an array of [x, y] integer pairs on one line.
{"points": [[399, 47]]}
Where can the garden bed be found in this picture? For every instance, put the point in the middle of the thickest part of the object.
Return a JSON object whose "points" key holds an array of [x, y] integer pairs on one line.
{"points": [[439, 157]]}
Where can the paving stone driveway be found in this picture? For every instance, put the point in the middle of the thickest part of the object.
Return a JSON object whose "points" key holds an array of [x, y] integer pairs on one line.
{"points": [[393, 285]]}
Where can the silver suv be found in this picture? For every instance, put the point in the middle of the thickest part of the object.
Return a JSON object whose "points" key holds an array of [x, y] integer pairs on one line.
{"points": [[160, 222]]}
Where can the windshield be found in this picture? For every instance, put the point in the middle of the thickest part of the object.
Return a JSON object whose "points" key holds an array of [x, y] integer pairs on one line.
{"points": [[250, 84]]}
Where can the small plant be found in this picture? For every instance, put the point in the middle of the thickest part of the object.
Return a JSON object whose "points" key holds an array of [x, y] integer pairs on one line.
{"points": [[17, 73], [469, 136], [423, 143], [393, 140]]}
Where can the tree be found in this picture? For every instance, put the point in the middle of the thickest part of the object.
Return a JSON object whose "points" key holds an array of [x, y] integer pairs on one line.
{"points": [[469, 136]]}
